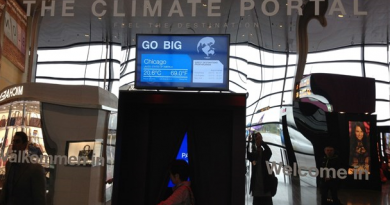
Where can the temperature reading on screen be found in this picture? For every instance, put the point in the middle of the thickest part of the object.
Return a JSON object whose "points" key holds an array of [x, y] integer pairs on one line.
{"points": [[152, 72], [180, 73], [181, 62]]}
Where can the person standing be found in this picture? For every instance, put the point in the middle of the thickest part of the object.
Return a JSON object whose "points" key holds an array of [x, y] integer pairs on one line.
{"points": [[330, 183], [25, 182], [182, 193], [258, 156]]}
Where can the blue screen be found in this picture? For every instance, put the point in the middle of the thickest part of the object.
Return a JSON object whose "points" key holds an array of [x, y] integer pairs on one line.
{"points": [[197, 62], [182, 154]]}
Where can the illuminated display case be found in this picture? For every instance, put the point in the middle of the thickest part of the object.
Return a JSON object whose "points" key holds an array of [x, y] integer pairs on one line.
{"points": [[21, 116]]}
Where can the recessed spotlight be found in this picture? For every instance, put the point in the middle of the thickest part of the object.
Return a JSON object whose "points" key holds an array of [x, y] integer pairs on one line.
{"points": [[280, 25]]}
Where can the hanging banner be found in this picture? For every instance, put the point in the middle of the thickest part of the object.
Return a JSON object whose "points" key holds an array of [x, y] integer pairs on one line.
{"points": [[15, 31]]}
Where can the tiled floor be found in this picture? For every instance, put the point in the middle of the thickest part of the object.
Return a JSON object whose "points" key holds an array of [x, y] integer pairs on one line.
{"points": [[296, 192]]}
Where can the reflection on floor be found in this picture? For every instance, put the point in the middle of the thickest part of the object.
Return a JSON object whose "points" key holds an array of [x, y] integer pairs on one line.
{"points": [[297, 193]]}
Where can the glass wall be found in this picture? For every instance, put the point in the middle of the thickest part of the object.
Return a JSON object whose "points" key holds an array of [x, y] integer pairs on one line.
{"points": [[266, 77]]}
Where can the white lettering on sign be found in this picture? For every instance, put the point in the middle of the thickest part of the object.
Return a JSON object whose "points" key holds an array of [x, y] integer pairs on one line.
{"points": [[184, 155], [11, 92], [154, 8], [166, 45], [172, 45]]}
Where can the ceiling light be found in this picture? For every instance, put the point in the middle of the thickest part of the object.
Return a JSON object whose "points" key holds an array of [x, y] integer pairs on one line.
{"points": [[86, 35], [204, 5], [341, 112], [341, 15], [279, 45], [100, 18], [280, 25]]}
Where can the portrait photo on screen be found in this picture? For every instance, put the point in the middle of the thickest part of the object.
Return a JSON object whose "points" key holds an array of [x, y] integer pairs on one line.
{"points": [[359, 137], [387, 148]]}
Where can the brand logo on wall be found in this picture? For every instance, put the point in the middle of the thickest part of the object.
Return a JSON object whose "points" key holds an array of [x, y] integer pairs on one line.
{"points": [[12, 92], [206, 45]]}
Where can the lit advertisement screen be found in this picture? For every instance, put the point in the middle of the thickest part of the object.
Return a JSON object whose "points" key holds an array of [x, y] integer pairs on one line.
{"points": [[180, 62], [386, 148], [359, 157]]}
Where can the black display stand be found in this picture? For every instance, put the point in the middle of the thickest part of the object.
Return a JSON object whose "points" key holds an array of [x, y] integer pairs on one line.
{"points": [[151, 126], [338, 127]]}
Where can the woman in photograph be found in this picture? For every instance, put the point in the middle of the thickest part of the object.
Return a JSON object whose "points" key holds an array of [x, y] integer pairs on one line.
{"points": [[360, 146]]}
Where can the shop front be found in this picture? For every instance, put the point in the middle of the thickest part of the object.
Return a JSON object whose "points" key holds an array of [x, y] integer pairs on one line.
{"points": [[71, 129]]}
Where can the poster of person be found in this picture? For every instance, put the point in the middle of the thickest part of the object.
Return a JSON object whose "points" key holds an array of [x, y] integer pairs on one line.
{"points": [[387, 143], [359, 137], [387, 149]]}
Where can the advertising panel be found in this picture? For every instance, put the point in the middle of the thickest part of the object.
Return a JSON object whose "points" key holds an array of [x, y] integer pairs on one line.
{"points": [[182, 62], [387, 149], [359, 157]]}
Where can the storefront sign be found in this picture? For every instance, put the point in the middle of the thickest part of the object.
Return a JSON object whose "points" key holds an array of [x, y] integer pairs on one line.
{"points": [[12, 92]]}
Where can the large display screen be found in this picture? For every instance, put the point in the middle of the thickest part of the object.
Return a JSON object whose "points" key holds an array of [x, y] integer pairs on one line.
{"points": [[386, 148], [181, 62], [359, 157]]}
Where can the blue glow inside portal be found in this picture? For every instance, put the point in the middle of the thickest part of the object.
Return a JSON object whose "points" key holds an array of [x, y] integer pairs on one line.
{"points": [[182, 154]]}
